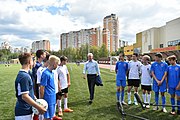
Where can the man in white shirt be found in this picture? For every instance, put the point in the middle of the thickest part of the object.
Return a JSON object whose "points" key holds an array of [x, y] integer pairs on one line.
{"points": [[134, 77], [63, 85]]}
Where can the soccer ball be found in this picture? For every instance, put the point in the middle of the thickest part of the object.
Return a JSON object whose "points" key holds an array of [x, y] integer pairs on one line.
{"points": [[41, 102]]}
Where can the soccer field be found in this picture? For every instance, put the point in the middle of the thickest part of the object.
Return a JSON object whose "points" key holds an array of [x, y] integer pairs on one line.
{"points": [[103, 107]]}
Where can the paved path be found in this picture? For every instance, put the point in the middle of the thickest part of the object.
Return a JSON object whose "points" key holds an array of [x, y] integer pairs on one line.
{"points": [[112, 67]]}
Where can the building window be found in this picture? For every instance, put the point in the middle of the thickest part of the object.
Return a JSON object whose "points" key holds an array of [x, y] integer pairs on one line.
{"points": [[161, 45], [149, 47]]}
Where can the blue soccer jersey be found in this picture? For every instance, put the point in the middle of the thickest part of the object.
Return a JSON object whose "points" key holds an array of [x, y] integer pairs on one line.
{"points": [[47, 80], [173, 76], [121, 68], [159, 70], [34, 70], [23, 84]]}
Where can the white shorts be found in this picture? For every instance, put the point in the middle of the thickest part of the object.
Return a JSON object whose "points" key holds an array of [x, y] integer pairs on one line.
{"points": [[25, 117]]}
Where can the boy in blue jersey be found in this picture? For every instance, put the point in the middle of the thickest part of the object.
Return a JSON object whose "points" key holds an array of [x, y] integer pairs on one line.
{"points": [[173, 78], [121, 71], [24, 91], [159, 73], [47, 88]]}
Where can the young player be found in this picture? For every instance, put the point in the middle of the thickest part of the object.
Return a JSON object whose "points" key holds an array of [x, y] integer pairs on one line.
{"points": [[39, 74], [40, 54], [159, 73], [63, 85], [24, 91], [134, 77], [146, 80], [121, 71], [173, 78], [47, 88]]}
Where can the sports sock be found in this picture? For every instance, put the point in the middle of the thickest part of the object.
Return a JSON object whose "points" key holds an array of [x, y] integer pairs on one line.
{"points": [[157, 97], [173, 103], [149, 98], [129, 96], [59, 105], [122, 95], [163, 101], [65, 103], [118, 95], [135, 97], [144, 97]]}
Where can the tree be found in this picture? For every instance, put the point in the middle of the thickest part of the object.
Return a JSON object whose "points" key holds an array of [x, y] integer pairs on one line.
{"points": [[95, 51], [103, 52]]}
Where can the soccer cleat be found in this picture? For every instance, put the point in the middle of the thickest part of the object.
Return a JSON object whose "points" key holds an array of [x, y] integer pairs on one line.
{"points": [[60, 113], [56, 118], [123, 103], [135, 103], [147, 106], [178, 112], [172, 112], [164, 110], [90, 101], [129, 102], [68, 110], [155, 108]]}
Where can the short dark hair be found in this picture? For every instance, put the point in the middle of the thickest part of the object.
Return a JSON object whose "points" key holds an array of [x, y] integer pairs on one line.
{"points": [[136, 54], [46, 58], [159, 55], [24, 58], [39, 53], [122, 54], [63, 58], [172, 57]]}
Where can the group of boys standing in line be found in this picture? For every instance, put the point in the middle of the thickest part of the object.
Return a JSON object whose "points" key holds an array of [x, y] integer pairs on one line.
{"points": [[49, 80], [157, 76]]}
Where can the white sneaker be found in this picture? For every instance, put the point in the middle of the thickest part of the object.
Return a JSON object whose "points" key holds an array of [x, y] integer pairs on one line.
{"points": [[135, 103], [147, 106], [155, 108], [129, 102], [164, 110], [123, 103]]}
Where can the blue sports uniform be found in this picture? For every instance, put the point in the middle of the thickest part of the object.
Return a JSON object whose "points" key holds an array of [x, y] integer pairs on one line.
{"points": [[23, 84], [173, 79], [121, 68], [47, 80], [159, 71]]}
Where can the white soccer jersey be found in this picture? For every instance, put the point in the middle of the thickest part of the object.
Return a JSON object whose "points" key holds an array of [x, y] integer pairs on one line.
{"points": [[55, 79], [39, 74], [146, 75], [62, 72], [134, 69]]}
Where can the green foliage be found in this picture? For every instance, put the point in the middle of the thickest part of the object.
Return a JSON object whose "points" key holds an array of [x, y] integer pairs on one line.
{"points": [[78, 54], [6, 55]]}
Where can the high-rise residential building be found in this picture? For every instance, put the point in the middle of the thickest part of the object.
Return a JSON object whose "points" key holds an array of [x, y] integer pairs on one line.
{"points": [[40, 45], [75, 39], [106, 38], [111, 23]]}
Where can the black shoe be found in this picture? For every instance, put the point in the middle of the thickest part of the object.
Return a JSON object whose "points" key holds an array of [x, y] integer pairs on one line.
{"points": [[90, 101]]}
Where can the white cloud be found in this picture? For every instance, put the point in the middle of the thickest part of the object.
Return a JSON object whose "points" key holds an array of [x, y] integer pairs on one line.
{"points": [[29, 20]]}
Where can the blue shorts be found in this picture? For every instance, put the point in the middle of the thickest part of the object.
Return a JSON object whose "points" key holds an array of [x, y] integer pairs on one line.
{"points": [[121, 83], [50, 111], [161, 88], [173, 91]]}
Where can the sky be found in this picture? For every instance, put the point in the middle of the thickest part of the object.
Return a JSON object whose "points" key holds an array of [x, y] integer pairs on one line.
{"points": [[25, 21]]}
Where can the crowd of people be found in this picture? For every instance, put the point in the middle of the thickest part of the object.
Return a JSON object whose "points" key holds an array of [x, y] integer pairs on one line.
{"points": [[157, 76], [48, 78]]}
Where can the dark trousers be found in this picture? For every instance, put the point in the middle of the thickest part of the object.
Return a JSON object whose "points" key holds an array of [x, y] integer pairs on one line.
{"points": [[91, 84]]}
